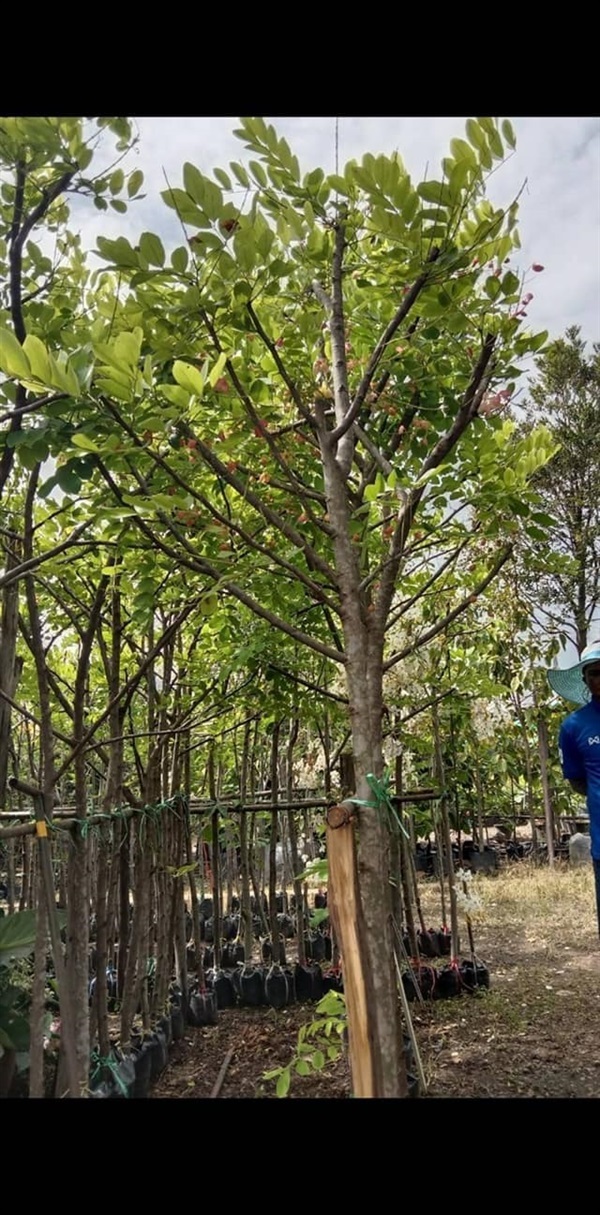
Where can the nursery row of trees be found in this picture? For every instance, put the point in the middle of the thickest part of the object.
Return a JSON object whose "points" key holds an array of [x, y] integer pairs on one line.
{"points": [[268, 484]]}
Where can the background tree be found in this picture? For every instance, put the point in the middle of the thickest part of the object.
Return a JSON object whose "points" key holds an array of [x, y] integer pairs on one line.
{"points": [[565, 396]]}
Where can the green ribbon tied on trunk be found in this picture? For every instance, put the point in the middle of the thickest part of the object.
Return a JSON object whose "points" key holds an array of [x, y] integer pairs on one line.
{"points": [[382, 802], [109, 1064]]}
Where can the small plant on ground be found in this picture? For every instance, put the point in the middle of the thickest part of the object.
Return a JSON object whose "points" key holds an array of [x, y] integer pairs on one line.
{"points": [[320, 1042]]}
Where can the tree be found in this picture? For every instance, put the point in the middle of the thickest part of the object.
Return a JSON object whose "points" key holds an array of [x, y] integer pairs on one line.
{"points": [[566, 397], [300, 408]]}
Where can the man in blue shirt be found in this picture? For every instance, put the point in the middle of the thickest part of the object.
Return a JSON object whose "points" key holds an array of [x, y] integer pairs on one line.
{"points": [[579, 740]]}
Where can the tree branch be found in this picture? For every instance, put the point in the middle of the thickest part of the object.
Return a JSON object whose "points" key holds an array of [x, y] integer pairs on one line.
{"points": [[450, 616], [402, 312]]}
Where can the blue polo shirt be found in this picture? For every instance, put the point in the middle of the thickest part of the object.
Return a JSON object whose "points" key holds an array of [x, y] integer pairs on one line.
{"points": [[579, 746]]}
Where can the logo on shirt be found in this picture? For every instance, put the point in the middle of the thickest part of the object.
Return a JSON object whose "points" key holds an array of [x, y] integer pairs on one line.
{"points": [[594, 738]]}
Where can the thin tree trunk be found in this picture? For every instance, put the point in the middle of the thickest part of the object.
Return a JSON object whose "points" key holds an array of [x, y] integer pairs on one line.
{"points": [[273, 922], [548, 807]]}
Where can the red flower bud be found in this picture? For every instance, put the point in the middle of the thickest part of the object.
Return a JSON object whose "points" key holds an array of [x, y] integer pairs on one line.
{"points": [[536, 266]]}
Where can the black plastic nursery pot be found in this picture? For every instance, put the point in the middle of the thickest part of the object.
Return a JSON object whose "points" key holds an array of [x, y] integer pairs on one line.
{"points": [[232, 954], [286, 925], [115, 1077], [483, 862], [448, 983], [230, 928], [143, 1070], [202, 1008], [291, 982], [444, 937], [429, 945], [177, 1022], [159, 1052], [474, 975], [276, 987], [333, 980], [252, 986], [315, 947], [309, 982], [223, 988], [267, 951]]}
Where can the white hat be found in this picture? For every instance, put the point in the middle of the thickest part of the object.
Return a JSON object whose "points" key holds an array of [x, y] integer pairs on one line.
{"points": [[569, 684]]}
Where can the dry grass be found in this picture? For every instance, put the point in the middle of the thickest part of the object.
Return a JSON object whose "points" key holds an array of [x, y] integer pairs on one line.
{"points": [[534, 1033], [531, 901]]}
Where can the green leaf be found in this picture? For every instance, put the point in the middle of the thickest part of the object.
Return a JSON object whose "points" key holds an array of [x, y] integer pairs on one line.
{"points": [[82, 440], [115, 181], [118, 205], [258, 172], [63, 377], [340, 185], [17, 935], [476, 135], [208, 604], [508, 132], [240, 173], [283, 1083], [152, 249], [218, 368], [118, 251], [223, 178], [38, 358], [461, 151], [510, 283], [186, 209], [194, 183], [538, 340], [135, 182], [318, 1060], [188, 377], [179, 259], [176, 395], [14, 1031], [302, 1067], [67, 480], [492, 287], [13, 360], [435, 192]]}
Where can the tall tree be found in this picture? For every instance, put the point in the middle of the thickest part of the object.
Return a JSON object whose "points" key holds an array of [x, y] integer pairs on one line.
{"points": [[566, 397], [300, 407], [43, 162]]}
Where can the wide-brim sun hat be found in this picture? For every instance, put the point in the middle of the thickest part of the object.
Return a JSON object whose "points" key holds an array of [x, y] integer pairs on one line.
{"points": [[569, 683]]}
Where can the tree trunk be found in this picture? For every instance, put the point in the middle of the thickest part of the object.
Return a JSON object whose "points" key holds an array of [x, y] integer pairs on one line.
{"points": [[10, 665], [548, 807], [364, 676]]}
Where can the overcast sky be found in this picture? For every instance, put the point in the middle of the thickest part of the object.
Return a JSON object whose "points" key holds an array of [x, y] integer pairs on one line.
{"points": [[557, 158]]}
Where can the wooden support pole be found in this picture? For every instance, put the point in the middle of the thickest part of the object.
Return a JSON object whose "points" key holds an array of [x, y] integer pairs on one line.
{"points": [[346, 913]]}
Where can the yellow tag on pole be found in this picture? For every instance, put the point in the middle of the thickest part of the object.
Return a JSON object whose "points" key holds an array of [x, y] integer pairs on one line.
{"points": [[41, 829]]}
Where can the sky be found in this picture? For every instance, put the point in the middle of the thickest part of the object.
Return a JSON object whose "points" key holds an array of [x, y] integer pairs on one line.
{"points": [[556, 165]]}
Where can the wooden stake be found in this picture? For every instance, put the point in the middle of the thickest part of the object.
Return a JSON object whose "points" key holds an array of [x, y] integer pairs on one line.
{"points": [[346, 913]]}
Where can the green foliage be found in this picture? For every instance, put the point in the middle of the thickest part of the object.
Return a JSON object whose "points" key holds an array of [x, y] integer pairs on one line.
{"points": [[17, 935], [319, 1043], [180, 416]]}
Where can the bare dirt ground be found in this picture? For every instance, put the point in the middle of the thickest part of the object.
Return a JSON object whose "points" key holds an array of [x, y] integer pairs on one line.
{"points": [[533, 1034]]}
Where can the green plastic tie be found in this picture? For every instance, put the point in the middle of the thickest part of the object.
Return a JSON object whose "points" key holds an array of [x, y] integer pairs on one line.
{"points": [[112, 1065], [382, 802]]}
